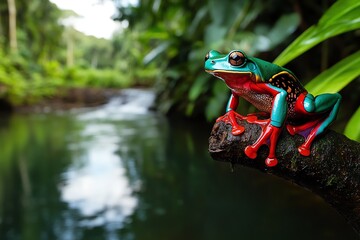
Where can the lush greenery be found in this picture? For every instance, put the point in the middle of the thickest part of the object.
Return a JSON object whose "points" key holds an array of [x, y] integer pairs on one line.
{"points": [[45, 56], [165, 43], [263, 28]]}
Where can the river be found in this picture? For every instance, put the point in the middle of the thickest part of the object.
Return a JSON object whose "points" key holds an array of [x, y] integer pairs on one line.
{"points": [[122, 171]]}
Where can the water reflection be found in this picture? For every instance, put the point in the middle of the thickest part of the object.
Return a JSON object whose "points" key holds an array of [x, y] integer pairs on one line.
{"points": [[97, 184]]}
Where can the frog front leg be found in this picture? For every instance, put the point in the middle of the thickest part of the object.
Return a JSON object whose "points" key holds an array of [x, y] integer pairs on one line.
{"points": [[271, 128], [231, 115]]}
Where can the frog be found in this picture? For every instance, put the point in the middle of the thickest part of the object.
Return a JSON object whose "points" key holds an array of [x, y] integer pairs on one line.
{"points": [[282, 101]]}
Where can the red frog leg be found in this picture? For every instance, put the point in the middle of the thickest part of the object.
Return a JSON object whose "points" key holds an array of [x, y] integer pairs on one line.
{"points": [[271, 128], [323, 109], [302, 129], [269, 132], [322, 103]]}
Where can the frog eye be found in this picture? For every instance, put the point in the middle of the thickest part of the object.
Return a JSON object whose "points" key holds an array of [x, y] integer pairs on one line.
{"points": [[236, 58]]}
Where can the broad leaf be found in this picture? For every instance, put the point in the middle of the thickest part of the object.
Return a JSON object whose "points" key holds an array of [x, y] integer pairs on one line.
{"points": [[336, 77], [216, 105], [199, 86], [156, 52], [284, 27], [341, 17], [352, 129]]}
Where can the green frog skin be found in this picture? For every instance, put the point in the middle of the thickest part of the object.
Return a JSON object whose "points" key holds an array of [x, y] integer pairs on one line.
{"points": [[277, 92]]}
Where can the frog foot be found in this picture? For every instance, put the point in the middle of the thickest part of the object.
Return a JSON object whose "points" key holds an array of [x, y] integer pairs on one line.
{"points": [[231, 118], [306, 130], [269, 136], [304, 149]]}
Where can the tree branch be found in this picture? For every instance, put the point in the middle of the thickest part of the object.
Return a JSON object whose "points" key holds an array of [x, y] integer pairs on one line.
{"points": [[332, 170]]}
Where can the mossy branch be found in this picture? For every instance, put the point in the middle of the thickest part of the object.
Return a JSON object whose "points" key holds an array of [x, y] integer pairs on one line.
{"points": [[332, 170]]}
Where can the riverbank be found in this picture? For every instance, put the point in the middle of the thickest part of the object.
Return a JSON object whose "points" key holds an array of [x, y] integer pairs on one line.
{"points": [[68, 98]]}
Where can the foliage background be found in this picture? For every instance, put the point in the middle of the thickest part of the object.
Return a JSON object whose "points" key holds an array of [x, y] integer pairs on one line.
{"points": [[165, 43], [262, 28]]}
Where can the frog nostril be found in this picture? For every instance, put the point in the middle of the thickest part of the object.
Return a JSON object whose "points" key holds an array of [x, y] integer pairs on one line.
{"points": [[212, 62]]}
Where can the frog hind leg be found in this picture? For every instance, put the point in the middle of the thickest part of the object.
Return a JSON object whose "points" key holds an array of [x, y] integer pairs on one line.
{"points": [[324, 103]]}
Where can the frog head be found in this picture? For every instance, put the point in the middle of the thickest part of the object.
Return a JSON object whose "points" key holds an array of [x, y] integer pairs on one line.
{"points": [[235, 68]]}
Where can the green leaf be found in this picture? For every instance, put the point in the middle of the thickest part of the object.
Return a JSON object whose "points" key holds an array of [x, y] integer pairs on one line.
{"points": [[199, 86], [264, 38], [341, 17], [217, 102], [336, 77], [352, 129], [194, 26], [284, 27], [156, 52]]}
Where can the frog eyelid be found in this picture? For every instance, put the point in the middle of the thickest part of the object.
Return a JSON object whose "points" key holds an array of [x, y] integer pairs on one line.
{"points": [[237, 58]]}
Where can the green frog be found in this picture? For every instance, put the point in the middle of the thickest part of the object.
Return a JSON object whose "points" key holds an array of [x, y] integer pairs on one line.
{"points": [[276, 92]]}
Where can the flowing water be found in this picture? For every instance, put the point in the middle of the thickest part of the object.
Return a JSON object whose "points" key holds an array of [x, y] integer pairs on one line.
{"points": [[120, 171]]}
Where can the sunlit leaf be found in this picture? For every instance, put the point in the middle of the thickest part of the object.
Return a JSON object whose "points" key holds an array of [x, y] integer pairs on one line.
{"points": [[341, 17], [156, 52], [200, 15], [336, 77], [197, 88], [214, 34], [266, 38], [217, 103], [352, 129], [285, 26], [158, 32], [225, 14]]}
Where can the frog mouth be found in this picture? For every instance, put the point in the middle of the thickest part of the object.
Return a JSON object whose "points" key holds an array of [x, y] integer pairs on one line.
{"points": [[233, 77]]}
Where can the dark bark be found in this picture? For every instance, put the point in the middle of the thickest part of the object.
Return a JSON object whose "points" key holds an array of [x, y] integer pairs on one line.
{"points": [[331, 171]]}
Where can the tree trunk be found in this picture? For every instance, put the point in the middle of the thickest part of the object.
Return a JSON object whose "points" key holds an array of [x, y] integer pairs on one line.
{"points": [[332, 170], [12, 25], [70, 51]]}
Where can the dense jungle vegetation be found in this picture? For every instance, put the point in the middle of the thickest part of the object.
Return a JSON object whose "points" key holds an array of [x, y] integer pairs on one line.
{"points": [[164, 47]]}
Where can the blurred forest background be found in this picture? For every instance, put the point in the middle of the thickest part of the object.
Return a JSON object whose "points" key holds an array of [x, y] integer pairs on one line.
{"points": [[164, 44]]}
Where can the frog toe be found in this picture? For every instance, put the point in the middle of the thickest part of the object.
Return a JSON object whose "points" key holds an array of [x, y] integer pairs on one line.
{"points": [[271, 162], [303, 150], [261, 122], [237, 130], [251, 152], [251, 118], [254, 117], [291, 129]]}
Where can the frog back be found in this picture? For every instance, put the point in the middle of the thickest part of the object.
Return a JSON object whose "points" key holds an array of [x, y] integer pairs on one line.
{"points": [[280, 77]]}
